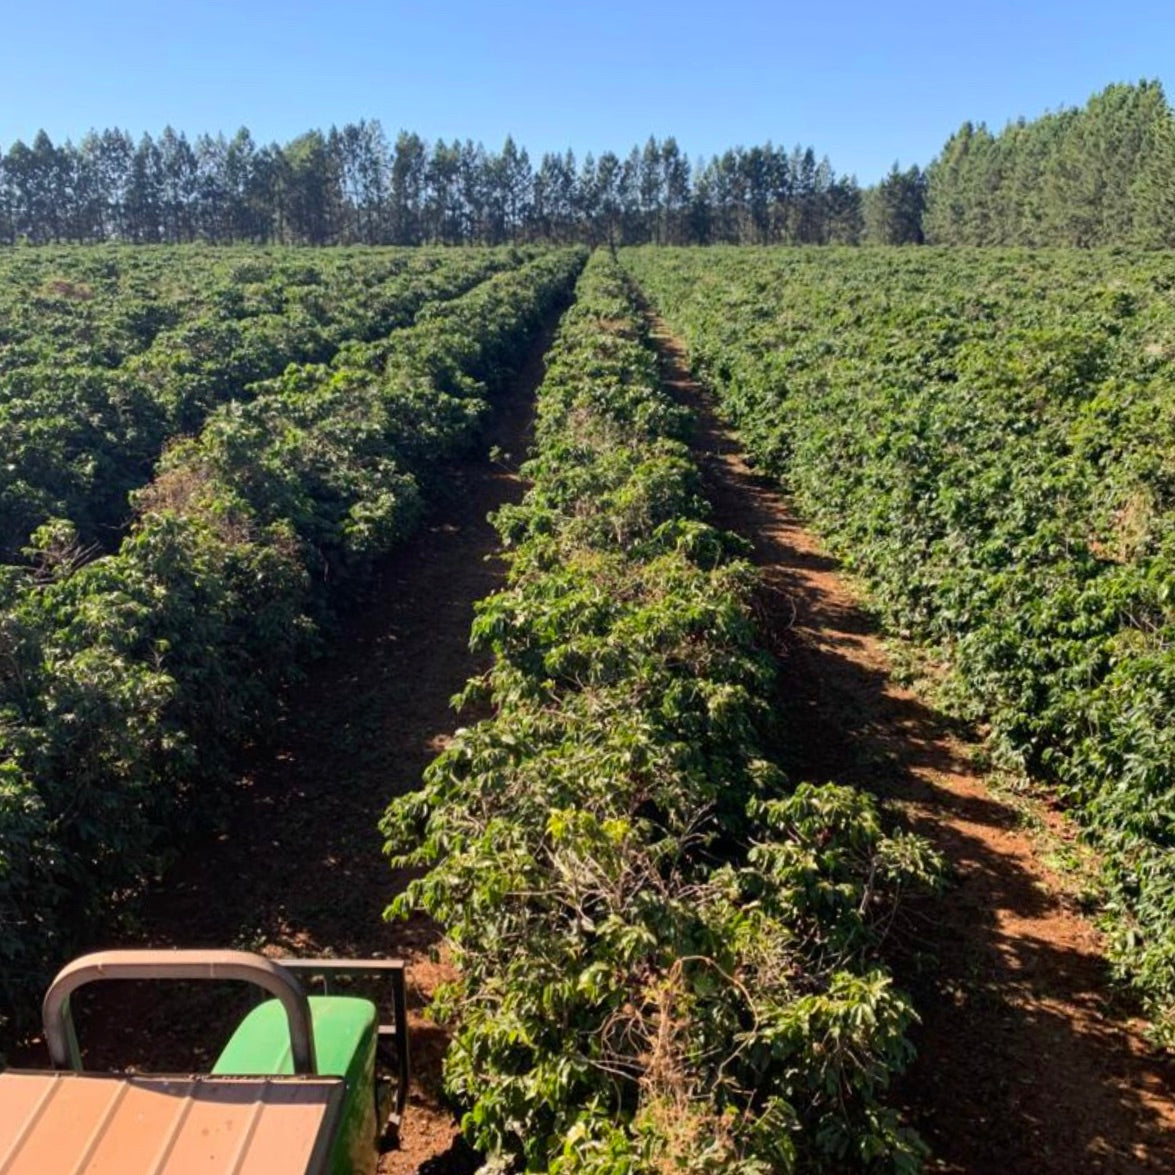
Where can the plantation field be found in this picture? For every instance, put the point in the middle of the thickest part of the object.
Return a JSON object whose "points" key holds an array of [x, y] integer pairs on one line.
{"points": [[106, 354], [667, 944], [663, 948], [988, 439]]}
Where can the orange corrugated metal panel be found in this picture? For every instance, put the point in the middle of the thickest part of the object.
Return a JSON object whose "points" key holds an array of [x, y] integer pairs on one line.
{"points": [[55, 1136], [98, 1125], [149, 1115], [285, 1122], [22, 1100]]}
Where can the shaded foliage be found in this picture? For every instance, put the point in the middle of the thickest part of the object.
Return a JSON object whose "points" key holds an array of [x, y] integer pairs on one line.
{"points": [[127, 681]]}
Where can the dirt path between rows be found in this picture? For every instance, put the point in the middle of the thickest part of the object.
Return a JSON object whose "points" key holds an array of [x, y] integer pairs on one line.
{"points": [[299, 868], [1023, 1066]]}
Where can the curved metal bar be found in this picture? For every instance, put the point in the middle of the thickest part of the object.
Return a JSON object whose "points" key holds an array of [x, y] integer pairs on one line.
{"points": [[220, 965]]}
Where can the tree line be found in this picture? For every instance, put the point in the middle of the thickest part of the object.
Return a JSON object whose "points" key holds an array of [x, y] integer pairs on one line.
{"points": [[1096, 176], [354, 186], [1100, 175]]}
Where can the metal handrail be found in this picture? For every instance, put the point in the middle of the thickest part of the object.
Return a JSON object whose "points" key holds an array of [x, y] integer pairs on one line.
{"points": [[241, 966]]}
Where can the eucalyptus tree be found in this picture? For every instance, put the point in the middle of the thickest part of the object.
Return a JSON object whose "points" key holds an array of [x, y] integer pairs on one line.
{"points": [[894, 208], [408, 178]]}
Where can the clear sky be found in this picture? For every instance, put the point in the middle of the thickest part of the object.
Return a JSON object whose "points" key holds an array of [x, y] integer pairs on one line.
{"points": [[864, 83]]}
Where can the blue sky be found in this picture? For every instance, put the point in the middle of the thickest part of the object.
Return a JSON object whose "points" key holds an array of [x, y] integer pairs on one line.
{"points": [[864, 83]]}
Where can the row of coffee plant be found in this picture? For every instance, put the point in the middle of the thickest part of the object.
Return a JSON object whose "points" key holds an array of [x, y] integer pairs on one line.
{"points": [[665, 953], [989, 438], [127, 681], [80, 430]]}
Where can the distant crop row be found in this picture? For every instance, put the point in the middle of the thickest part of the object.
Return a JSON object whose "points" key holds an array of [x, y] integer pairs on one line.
{"points": [[105, 355], [665, 951], [989, 438], [126, 681]]}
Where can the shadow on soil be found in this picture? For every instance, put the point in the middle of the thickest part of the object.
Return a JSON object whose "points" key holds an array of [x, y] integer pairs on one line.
{"points": [[1022, 1066]]}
